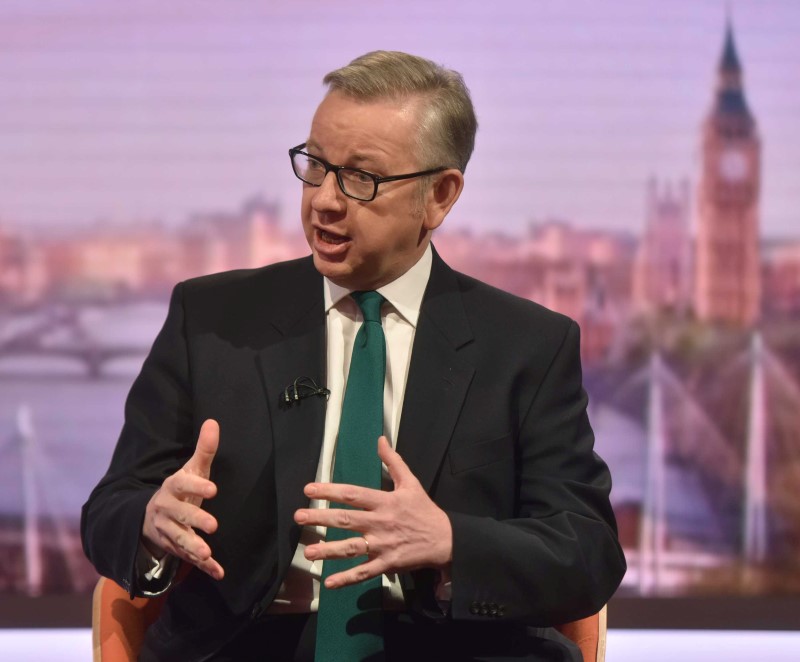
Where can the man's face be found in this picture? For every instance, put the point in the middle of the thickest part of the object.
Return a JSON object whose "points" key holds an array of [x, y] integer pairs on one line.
{"points": [[364, 245]]}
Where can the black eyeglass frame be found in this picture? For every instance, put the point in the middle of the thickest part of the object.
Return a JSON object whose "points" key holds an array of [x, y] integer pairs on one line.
{"points": [[337, 169]]}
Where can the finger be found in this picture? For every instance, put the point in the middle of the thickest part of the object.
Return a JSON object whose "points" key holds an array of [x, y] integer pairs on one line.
{"points": [[340, 518], [209, 565], [360, 573], [398, 469], [212, 569], [182, 541], [206, 449], [184, 485], [187, 514], [350, 495], [185, 544], [340, 549]]}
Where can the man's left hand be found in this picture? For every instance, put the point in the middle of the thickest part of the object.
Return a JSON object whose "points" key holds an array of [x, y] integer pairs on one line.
{"points": [[404, 529]]}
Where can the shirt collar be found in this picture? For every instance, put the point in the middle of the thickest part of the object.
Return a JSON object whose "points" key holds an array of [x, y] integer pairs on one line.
{"points": [[404, 293]]}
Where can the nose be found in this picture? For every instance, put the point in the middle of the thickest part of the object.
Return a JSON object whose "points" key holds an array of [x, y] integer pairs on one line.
{"points": [[328, 197]]}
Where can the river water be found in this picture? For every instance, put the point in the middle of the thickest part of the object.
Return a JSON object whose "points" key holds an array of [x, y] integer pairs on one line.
{"points": [[75, 419]]}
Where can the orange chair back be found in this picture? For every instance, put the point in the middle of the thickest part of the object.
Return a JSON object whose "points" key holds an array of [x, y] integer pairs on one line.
{"points": [[119, 624], [590, 635]]}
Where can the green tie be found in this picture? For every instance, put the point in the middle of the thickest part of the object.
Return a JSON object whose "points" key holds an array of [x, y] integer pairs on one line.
{"points": [[350, 620]]}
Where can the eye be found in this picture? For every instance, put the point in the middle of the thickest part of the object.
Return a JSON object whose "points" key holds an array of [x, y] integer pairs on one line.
{"points": [[361, 177], [312, 165], [357, 177]]}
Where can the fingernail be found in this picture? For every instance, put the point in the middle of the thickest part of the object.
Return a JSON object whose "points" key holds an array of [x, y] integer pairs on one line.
{"points": [[311, 554], [300, 516], [311, 490]]}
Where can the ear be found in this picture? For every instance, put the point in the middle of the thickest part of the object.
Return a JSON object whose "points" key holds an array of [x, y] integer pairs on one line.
{"points": [[442, 195]]}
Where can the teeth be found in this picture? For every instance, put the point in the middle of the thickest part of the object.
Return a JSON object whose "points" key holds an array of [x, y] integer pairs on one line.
{"points": [[331, 238]]}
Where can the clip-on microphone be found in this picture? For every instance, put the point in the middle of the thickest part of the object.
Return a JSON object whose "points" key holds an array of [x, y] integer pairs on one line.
{"points": [[302, 388]]}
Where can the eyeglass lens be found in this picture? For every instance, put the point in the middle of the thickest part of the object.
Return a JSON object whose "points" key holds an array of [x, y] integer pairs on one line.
{"points": [[354, 183]]}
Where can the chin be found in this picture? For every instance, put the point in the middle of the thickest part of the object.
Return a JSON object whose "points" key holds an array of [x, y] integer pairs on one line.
{"points": [[338, 272]]}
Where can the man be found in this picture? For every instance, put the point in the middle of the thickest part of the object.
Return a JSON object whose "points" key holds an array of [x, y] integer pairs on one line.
{"points": [[494, 520]]}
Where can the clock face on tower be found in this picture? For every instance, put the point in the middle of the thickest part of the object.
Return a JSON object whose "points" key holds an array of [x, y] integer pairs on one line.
{"points": [[733, 166]]}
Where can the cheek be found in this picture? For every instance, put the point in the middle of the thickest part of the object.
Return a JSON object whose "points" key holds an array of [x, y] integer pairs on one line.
{"points": [[306, 213], [305, 205]]}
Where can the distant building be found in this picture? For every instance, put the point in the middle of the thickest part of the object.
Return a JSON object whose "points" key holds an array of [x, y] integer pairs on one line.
{"points": [[585, 274], [23, 273], [727, 285], [782, 279], [251, 237], [663, 271], [106, 261]]}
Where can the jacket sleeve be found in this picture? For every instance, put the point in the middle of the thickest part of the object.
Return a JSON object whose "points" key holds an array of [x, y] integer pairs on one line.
{"points": [[558, 558], [156, 440]]}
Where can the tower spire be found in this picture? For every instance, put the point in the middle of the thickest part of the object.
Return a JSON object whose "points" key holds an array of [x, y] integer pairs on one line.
{"points": [[729, 62], [730, 88], [727, 279]]}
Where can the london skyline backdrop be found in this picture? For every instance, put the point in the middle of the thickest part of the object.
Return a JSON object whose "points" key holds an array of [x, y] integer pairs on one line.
{"points": [[113, 116], [123, 113]]}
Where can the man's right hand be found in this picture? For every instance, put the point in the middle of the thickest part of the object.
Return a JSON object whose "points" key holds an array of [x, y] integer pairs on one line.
{"points": [[174, 510]]}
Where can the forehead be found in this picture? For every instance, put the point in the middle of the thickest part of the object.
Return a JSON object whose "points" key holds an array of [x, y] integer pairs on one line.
{"points": [[377, 129]]}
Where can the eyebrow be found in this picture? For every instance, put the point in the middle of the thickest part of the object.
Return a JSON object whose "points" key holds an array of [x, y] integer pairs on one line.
{"points": [[355, 161]]}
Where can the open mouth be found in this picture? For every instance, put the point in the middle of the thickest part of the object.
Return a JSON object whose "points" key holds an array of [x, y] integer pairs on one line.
{"points": [[329, 238]]}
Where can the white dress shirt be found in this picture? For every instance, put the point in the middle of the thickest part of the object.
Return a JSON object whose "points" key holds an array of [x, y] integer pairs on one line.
{"points": [[299, 592], [399, 314]]}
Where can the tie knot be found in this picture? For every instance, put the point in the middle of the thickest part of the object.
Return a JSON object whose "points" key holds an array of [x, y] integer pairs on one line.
{"points": [[370, 303]]}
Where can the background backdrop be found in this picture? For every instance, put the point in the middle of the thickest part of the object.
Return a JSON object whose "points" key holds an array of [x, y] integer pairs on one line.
{"points": [[636, 167]]}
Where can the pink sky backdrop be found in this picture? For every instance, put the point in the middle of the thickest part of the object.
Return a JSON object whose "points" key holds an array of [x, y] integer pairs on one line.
{"points": [[152, 110]]}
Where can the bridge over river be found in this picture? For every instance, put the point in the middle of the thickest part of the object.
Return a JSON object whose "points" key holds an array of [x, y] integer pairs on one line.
{"points": [[93, 336]]}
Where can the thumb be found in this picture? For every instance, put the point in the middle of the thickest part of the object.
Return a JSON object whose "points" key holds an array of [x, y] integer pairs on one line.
{"points": [[206, 449], [398, 469]]}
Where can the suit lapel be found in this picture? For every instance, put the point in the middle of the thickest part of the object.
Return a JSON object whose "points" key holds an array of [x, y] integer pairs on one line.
{"points": [[437, 384], [438, 376], [297, 428]]}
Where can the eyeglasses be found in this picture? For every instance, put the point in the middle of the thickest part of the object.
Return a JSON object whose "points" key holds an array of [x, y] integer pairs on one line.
{"points": [[354, 182]]}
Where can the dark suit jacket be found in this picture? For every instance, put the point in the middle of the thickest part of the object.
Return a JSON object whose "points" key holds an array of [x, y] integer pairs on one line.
{"points": [[494, 426]]}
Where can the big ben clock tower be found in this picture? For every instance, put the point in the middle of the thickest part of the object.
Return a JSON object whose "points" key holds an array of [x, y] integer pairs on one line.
{"points": [[727, 280]]}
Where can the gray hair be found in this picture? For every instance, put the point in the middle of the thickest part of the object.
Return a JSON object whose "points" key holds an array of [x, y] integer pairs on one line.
{"points": [[447, 123]]}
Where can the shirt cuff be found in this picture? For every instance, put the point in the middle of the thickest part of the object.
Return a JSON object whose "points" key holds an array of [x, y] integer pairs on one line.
{"points": [[444, 591], [154, 575]]}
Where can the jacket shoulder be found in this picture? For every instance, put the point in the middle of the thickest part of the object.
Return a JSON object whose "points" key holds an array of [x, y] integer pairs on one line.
{"points": [[269, 286], [277, 274], [487, 302]]}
